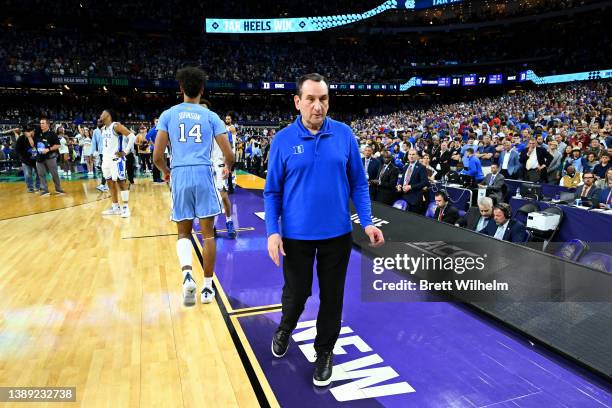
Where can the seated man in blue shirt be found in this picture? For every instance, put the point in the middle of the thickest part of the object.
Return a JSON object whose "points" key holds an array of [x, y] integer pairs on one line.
{"points": [[472, 165], [505, 228]]}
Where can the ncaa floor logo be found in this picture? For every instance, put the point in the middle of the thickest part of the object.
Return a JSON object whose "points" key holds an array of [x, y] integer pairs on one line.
{"points": [[361, 369]]}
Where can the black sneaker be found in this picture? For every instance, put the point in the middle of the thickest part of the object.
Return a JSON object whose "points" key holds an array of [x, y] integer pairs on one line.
{"points": [[280, 343], [323, 369]]}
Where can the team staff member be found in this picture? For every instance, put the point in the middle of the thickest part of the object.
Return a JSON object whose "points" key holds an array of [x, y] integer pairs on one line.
{"points": [[47, 144], [314, 169]]}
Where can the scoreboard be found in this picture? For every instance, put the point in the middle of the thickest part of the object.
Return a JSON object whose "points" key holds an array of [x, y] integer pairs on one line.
{"points": [[309, 24]]}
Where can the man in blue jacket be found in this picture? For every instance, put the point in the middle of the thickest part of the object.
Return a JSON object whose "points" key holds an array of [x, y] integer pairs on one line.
{"points": [[314, 169], [472, 165], [151, 135]]}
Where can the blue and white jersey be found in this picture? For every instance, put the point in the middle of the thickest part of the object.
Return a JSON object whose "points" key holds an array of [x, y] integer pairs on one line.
{"points": [[191, 129], [112, 142]]}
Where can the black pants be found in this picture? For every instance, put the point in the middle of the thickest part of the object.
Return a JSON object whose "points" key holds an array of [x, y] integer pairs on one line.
{"points": [[332, 260], [534, 175], [130, 164], [156, 174], [145, 162]]}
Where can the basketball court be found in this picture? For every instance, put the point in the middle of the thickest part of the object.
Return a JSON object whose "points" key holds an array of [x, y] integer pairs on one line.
{"points": [[95, 303]]}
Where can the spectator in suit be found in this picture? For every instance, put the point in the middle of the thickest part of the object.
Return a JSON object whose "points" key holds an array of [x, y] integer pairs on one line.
{"points": [[442, 161], [494, 183], [588, 190], [505, 228], [479, 218], [509, 163], [535, 161], [445, 212], [371, 166], [412, 182], [605, 198], [386, 181]]}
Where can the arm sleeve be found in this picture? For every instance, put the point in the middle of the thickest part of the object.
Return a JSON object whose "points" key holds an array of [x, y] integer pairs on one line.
{"points": [[358, 184], [273, 190]]}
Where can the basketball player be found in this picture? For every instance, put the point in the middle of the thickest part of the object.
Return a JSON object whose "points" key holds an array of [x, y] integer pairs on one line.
{"points": [[190, 129], [117, 140], [232, 135], [221, 181]]}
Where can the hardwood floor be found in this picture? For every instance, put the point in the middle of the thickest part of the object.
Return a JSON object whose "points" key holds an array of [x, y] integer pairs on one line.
{"points": [[82, 306]]}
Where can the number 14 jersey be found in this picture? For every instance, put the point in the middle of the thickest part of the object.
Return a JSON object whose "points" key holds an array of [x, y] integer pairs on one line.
{"points": [[191, 129]]}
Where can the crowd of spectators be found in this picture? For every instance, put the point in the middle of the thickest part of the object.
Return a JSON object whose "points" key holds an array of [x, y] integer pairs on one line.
{"points": [[169, 12], [559, 135], [358, 59]]}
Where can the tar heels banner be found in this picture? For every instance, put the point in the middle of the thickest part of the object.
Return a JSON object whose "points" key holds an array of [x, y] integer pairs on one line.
{"points": [[306, 24]]}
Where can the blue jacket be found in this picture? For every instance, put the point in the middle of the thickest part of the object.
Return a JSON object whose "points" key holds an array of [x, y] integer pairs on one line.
{"points": [[151, 135], [580, 164], [474, 168], [514, 165], [311, 179]]}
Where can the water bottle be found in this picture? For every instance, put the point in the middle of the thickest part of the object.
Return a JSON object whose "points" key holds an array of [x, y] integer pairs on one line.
{"points": [[518, 193], [578, 201]]}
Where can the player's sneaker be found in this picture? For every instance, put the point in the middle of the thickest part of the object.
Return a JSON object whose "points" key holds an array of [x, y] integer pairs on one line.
{"points": [[112, 211], [102, 187], [208, 294], [44, 194], [189, 290], [125, 212], [231, 231]]}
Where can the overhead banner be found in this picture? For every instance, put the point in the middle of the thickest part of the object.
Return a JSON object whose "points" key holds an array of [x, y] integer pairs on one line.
{"points": [[309, 24]]}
